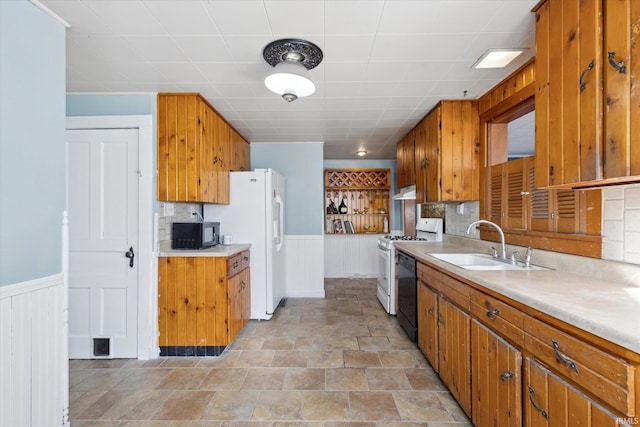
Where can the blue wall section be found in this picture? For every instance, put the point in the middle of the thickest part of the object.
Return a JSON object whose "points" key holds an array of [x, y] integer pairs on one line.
{"points": [[32, 148], [396, 205], [301, 165], [112, 105]]}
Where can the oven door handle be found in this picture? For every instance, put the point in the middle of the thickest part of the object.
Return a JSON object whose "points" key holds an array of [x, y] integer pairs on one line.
{"points": [[382, 248]]}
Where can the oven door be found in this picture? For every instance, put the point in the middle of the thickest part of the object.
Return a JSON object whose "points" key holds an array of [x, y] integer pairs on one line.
{"points": [[384, 278]]}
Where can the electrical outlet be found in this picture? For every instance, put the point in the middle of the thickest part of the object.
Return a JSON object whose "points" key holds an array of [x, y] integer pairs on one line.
{"points": [[169, 209]]}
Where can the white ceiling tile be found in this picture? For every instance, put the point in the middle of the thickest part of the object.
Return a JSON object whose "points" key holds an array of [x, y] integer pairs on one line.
{"points": [[230, 72], [156, 49], [100, 50], [180, 18], [204, 49], [347, 48], [344, 71], [350, 17], [140, 72], [434, 47], [377, 71], [239, 18], [181, 72], [295, 18], [248, 48], [126, 17]]}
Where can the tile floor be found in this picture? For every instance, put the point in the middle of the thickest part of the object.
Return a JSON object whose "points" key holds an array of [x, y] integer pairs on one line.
{"points": [[319, 362]]}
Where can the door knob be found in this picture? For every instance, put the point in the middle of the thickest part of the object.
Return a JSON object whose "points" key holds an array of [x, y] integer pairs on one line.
{"points": [[129, 254]]}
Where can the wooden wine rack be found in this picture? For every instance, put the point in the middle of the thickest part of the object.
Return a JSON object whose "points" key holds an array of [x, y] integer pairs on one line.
{"points": [[367, 195], [357, 179]]}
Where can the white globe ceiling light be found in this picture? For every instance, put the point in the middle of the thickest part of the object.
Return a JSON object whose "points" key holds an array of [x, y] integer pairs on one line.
{"points": [[292, 59]]}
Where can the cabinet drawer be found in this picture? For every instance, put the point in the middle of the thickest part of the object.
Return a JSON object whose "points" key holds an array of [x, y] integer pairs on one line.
{"points": [[507, 321], [605, 376], [234, 264], [246, 259], [452, 289]]}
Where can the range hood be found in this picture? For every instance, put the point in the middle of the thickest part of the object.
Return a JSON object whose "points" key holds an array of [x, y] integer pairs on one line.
{"points": [[406, 193]]}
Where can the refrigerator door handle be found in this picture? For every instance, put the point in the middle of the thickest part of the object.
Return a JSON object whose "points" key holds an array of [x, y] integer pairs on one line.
{"points": [[279, 226]]}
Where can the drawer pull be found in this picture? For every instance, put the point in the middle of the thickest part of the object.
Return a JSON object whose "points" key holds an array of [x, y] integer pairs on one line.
{"points": [[505, 376], [235, 264], [492, 313], [536, 407], [563, 359]]}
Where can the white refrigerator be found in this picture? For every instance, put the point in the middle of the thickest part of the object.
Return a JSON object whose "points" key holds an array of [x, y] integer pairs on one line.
{"points": [[255, 215]]}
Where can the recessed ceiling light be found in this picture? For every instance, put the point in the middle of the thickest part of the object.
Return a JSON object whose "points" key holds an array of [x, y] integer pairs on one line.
{"points": [[361, 153], [497, 58]]}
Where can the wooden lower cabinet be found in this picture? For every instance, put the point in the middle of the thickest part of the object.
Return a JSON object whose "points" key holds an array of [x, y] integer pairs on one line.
{"points": [[506, 367], [554, 402], [454, 352], [239, 302], [428, 323], [496, 366], [200, 308]]}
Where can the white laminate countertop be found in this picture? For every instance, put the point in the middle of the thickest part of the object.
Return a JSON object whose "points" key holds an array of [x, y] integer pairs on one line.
{"points": [[215, 251], [609, 309]]}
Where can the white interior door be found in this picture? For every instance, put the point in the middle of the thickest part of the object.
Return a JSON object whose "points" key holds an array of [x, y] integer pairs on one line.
{"points": [[103, 191]]}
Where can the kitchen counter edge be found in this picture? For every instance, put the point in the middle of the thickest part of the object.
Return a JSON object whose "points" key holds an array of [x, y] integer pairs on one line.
{"points": [[215, 251]]}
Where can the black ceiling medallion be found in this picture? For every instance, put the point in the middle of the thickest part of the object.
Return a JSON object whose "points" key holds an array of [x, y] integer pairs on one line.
{"points": [[296, 50]]}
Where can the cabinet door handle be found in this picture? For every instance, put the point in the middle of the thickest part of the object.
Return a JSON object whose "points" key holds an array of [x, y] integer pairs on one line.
{"points": [[536, 407], [562, 358], [492, 313], [431, 309], [619, 66], [506, 375], [583, 85]]}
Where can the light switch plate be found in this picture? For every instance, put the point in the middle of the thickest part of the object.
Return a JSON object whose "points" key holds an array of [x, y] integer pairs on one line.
{"points": [[169, 209]]}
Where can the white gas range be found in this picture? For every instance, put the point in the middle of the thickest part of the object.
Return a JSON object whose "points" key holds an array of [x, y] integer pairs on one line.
{"points": [[427, 229]]}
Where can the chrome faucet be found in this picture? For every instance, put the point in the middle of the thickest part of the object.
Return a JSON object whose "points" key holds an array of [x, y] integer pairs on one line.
{"points": [[497, 227]]}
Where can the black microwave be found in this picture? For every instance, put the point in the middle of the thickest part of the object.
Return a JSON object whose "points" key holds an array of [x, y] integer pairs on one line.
{"points": [[194, 235]]}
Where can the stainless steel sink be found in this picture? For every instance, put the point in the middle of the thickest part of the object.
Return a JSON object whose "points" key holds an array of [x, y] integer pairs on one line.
{"points": [[478, 261]]}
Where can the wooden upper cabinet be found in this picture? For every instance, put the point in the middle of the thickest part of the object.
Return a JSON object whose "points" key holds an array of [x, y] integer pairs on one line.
{"points": [[222, 159], [194, 150], [241, 155], [587, 109], [419, 157], [447, 153], [405, 160]]}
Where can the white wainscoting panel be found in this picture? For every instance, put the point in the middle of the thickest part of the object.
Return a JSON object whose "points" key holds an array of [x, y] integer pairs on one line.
{"points": [[303, 266], [31, 353], [350, 255]]}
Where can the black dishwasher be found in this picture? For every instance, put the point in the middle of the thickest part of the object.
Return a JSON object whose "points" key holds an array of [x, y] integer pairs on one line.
{"points": [[407, 295]]}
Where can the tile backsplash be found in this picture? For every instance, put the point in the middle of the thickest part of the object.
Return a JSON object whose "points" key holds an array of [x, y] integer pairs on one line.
{"points": [[621, 223], [458, 216], [181, 213]]}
